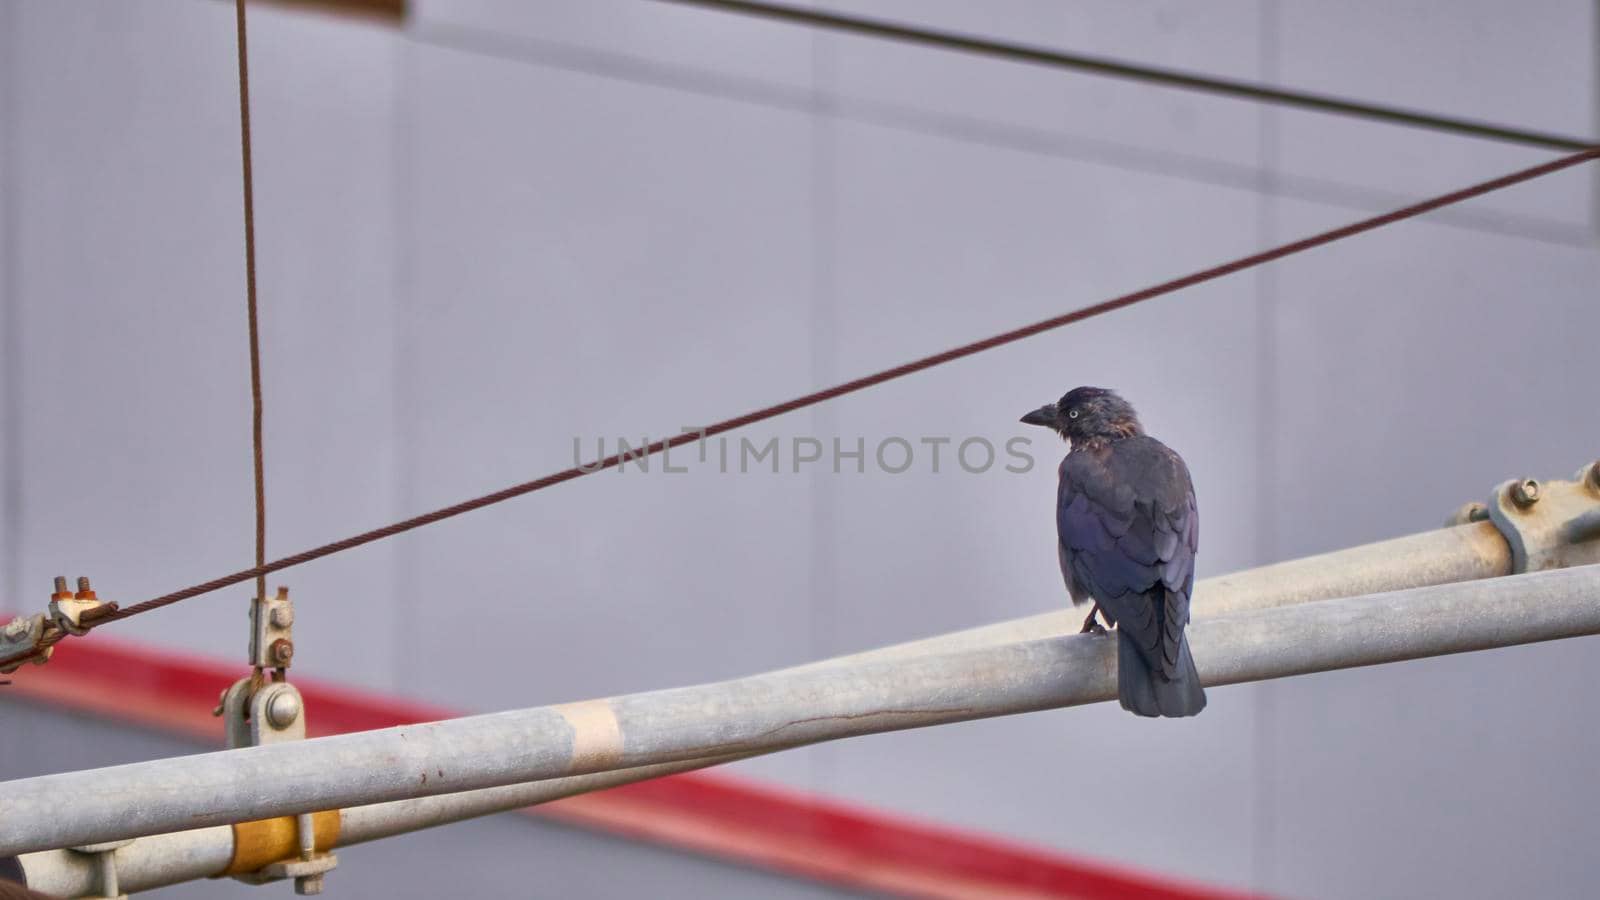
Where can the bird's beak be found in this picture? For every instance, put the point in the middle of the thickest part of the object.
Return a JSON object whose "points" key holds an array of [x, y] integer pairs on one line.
{"points": [[1044, 415]]}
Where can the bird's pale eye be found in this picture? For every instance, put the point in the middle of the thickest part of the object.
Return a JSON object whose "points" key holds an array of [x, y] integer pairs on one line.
{"points": [[1072, 414]]}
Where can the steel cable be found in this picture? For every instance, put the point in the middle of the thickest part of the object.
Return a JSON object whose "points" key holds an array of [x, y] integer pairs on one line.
{"points": [[250, 302], [927, 362], [880, 29], [1115, 68]]}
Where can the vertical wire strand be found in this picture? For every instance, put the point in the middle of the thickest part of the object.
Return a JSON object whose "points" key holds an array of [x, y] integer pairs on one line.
{"points": [[250, 300]]}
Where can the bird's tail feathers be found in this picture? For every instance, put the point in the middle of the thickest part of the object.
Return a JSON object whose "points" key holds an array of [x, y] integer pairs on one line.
{"points": [[1146, 692]]}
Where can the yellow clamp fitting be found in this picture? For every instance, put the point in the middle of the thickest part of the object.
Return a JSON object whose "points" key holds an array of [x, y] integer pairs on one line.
{"points": [[265, 841]]}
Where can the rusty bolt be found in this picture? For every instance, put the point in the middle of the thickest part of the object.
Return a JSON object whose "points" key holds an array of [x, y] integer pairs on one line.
{"points": [[83, 584], [282, 650], [1525, 493], [61, 584], [282, 616]]}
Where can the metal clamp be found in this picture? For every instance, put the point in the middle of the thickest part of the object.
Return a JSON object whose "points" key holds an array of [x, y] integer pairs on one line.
{"points": [[68, 610], [33, 638], [22, 640], [272, 631], [307, 871], [105, 858], [257, 711], [1550, 524]]}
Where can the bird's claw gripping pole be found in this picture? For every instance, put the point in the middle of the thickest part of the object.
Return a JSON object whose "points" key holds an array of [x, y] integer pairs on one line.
{"points": [[32, 639], [1092, 625]]}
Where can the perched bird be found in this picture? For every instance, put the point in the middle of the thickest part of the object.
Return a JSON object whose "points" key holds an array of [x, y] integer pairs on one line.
{"points": [[1128, 532]]}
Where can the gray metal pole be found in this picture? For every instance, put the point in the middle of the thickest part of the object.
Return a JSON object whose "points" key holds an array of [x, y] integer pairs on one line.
{"points": [[1447, 555], [164, 859], [1444, 556], [150, 862], [771, 711], [1452, 554], [381, 820]]}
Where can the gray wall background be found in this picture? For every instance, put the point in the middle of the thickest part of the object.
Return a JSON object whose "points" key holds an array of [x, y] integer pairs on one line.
{"points": [[518, 223]]}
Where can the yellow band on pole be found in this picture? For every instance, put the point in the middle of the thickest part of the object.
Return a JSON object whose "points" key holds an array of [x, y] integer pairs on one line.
{"points": [[264, 841]]}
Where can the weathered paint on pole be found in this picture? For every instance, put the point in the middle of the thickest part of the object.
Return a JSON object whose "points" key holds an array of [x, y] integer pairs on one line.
{"points": [[165, 859], [771, 711], [1443, 556], [1447, 555]]}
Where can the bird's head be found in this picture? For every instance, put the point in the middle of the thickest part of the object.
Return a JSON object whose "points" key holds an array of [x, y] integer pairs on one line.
{"points": [[1088, 414]]}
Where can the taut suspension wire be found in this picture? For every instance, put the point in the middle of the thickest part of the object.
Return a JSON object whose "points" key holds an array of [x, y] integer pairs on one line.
{"points": [[250, 303], [849, 387]]}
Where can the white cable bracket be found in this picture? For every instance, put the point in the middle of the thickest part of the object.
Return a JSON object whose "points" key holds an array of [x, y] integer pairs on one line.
{"points": [[264, 708], [32, 639]]}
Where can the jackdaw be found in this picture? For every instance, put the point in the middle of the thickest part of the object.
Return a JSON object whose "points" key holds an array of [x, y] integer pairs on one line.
{"points": [[1128, 531]]}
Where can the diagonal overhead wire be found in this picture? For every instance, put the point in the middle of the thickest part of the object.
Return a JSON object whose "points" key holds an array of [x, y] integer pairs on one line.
{"points": [[900, 371], [862, 383], [1115, 68]]}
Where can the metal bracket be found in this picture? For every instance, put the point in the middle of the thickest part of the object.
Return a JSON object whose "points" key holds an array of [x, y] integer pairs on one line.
{"points": [[105, 858], [22, 638], [307, 872], [1551, 524], [33, 638], [257, 711], [272, 631], [72, 612]]}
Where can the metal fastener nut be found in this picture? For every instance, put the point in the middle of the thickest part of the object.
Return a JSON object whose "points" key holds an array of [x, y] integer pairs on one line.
{"points": [[282, 651], [283, 709], [282, 616], [1525, 493], [1467, 512], [308, 884]]}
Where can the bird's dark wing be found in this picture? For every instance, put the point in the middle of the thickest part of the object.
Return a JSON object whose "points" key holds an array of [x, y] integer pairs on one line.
{"points": [[1127, 524]]}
